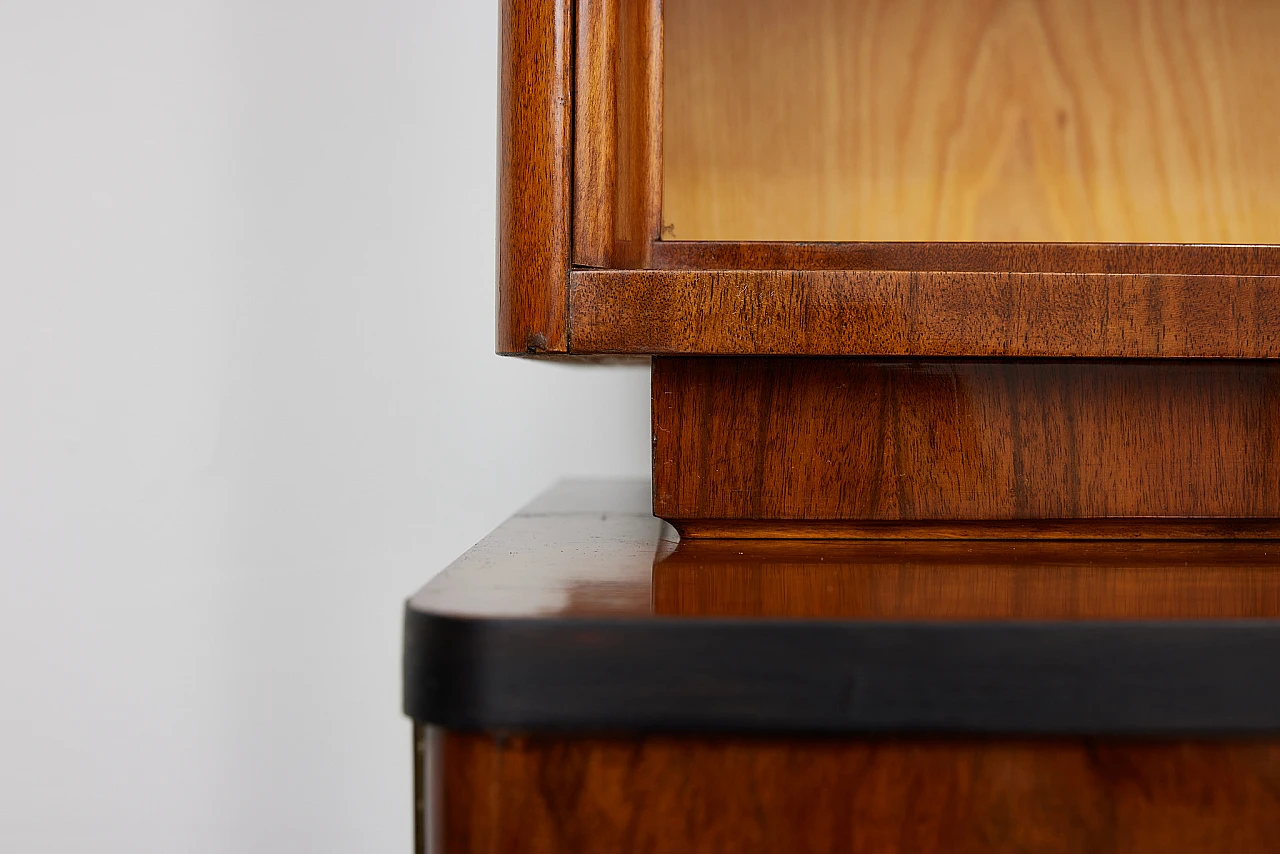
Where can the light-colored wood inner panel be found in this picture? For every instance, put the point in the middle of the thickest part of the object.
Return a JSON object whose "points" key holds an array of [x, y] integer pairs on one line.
{"points": [[1022, 120]]}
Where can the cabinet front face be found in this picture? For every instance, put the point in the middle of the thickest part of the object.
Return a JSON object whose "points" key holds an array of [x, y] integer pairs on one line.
{"points": [[1137, 121], [924, 178]]}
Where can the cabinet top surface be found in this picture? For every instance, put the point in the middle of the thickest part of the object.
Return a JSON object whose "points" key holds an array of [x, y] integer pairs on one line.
{"points": [[592, 549], [583, 612]]}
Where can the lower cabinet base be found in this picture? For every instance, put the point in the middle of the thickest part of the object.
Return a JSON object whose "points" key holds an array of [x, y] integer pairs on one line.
{"points": [[865, 449], [486, 792]]}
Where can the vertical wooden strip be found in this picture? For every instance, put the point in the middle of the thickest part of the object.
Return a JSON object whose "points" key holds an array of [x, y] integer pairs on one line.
{"points": [[534, 167], [639, 137], [419, 789], [470, 777], [595, 133]]}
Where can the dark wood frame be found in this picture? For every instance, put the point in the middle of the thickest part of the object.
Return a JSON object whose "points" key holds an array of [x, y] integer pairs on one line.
{"points": [[580, 185]]}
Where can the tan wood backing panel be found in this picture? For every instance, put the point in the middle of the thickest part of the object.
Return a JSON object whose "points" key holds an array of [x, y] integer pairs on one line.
{"points": [[878, 313], [666, 794], [1075, 120], [534, 169], [817, 440]]}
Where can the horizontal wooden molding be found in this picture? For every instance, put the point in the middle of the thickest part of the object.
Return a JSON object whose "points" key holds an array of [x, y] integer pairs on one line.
{"points": [[1147, 528], [1163, 258], [951, 314]]}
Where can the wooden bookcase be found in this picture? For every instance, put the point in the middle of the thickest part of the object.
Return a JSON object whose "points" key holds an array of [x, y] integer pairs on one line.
{"points": [[963, 532], [921, 184]]}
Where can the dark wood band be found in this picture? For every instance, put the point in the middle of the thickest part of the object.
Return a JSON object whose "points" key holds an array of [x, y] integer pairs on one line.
{"points": [[1204, 678]]}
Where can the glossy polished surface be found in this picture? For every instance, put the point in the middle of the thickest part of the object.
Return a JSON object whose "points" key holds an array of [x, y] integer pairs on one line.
{"points": [[592, 549], [582, 549], [970, 581], [669, 795], [582, 612]]}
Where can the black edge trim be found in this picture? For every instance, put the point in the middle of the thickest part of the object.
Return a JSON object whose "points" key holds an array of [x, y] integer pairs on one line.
{"points": [[1217, 678]]}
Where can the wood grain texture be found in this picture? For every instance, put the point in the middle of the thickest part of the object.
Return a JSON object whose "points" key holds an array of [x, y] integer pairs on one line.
{"points": [[856, 796], [1188, 260], [893, 313], [534, 175], [595, 132], [1137, 528], [949, 580], [836, 440], [1072, 120], [640, 73], [618, 132]]}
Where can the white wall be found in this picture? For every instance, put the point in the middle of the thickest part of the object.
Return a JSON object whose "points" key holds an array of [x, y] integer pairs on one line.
{"points": [[249, 403]]}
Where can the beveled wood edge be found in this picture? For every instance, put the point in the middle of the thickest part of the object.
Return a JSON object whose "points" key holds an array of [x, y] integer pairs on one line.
{"points": [[535, 163], [977, 257], [1154, 528]]}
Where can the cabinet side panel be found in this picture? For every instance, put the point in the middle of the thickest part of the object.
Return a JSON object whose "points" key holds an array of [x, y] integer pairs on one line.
{"points": [[668, 794]]}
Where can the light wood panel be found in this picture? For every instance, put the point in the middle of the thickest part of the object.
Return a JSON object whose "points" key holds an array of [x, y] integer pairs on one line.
{"points": [[1003, 120]]}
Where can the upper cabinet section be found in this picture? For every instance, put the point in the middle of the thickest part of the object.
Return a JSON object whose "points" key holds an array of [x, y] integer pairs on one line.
{"points": [[890, 178], [1134, 121]]}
